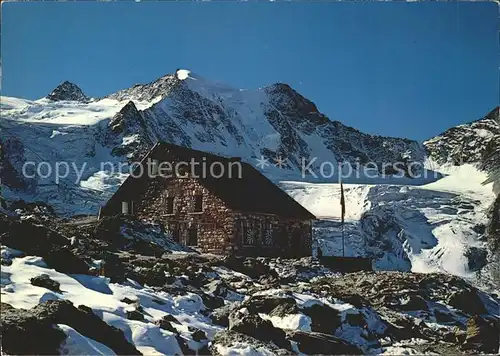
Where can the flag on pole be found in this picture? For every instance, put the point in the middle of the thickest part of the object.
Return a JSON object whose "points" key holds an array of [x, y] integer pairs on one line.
{"points": [[342, 214], [342, 202]]}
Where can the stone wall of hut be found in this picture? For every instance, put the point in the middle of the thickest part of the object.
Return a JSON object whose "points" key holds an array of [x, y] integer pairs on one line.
{"points": [[257, 234], [214, 225], [218, 228]]}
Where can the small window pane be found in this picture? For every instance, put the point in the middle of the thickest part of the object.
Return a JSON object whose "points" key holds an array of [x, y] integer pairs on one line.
{"points": [[198, 203], [170, 205]]}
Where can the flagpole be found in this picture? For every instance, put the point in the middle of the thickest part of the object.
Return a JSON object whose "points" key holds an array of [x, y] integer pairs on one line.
{"points": [[343, 244], [342, 204]]}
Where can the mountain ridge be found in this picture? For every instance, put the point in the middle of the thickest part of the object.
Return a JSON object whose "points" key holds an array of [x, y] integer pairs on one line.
{"points": [[186, 109]]}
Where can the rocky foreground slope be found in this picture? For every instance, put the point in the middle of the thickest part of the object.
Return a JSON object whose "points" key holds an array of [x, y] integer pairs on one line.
{"points": [[91, 288]]}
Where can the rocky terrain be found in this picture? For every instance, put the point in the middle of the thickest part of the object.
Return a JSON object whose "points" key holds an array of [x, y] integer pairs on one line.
{"points": [[89, 288]]}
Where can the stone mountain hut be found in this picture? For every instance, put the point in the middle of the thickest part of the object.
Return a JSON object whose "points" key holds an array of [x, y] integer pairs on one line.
{"points": [[214, 204]]}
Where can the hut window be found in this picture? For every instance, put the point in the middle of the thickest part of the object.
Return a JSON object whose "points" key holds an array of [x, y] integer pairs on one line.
{"points": [[172, 232], [192, 237], [268, 234], [170, 205], [198, 203], [249, 233], [124, 207]]}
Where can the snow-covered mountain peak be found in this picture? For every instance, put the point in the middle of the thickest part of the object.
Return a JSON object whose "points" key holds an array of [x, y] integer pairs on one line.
{"points": [[208, 88], [128, 113], [182, 74], [67, 91]]}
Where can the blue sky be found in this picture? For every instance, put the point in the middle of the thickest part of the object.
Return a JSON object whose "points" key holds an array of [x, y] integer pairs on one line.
{"points": [[399, 69]]}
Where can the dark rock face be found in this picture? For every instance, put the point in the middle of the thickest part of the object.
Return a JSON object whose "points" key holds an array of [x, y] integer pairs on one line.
{"points": [[147, 92], [39, 240], [64, 260], [477, 258], [323, 344], [199, 335], [482, 335], [254, 326], [468, 301], [127, 300], [11, 159], [31, 238], [45, 281], [220, 316], [324, 319], [165, 324], [269, 304], [414, 302], [252, 267], [493, 229], [228, 338], [20, 324], [293, 116], [68, 91], [476, 142], [388, 289], [130, 122], [135, 315]]}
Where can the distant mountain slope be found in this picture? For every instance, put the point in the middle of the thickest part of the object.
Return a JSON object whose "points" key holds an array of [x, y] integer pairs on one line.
{"points": [[477, 142], [272, 121]]}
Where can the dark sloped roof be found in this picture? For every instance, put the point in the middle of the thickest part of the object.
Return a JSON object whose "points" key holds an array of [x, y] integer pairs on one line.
{"points": [[242, 187]]}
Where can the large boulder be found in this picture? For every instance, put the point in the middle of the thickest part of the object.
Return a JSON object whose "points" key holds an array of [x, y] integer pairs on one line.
{"points": [[477, 258], [23, 333], [323, 318], [226, 340], [45, 281], [65, 261], [413, 302], [39, 240], [258, 328], [250, 266], [166, 324], [20, 324], [322, 344], [31, 238], [216, 288], [220, 316], [468, 301], [266, 303]]}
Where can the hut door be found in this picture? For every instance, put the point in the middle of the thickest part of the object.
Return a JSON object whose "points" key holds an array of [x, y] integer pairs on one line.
{"points": [[296, 241], [192, 237]]}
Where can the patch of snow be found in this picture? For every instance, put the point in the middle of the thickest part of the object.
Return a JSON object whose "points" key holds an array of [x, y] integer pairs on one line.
{"points": [[289, 322], [77, 344], [240, 349]]}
